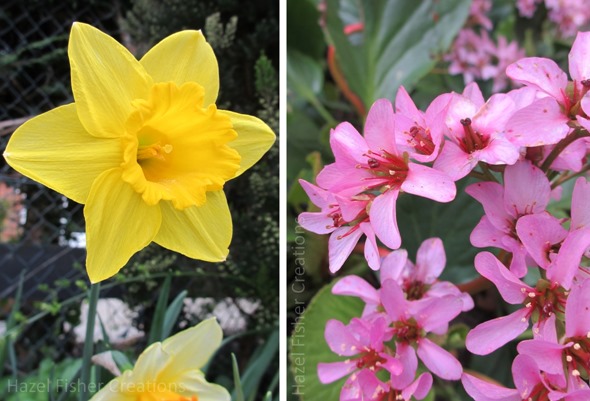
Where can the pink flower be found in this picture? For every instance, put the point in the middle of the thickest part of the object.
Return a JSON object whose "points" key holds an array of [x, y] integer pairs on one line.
{"points": [[574, 347], [545, 120], [417, 281], [568, 15], [526, 191], [527, 8], [346, 219], [543, 302], [478, 11], [476, 133], [566, 264], [411, 322], [368, 387], [416, 132], [364, 341], [373, 165]]}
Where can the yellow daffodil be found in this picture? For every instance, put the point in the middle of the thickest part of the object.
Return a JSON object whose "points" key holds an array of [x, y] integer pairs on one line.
{"points": [[169, 371], [144, 147]]}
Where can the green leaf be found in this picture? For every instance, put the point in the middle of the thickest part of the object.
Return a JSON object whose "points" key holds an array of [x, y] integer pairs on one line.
{"points": [[399, 43], [238, 394], [420, 218], [159, 313], [304, 75], [258, 366], [172, 313], [123, 363], [303, 31], [308, 346]]}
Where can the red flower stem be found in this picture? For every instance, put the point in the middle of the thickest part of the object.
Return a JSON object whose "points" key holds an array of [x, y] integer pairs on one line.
{"points": [[561, 145]]}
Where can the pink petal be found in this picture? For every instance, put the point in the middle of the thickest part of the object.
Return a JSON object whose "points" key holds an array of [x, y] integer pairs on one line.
{"points": [[393, 265], [340, 246], [371, 249], [405, 105], [391, 364], [572, 157], [522, 97], [419, 388], [526, 189], [382, 215], [453, 161], [460, 108], [379, 127], [431, 313], [444, 288], [340, 339], [576, 395], [330, 372], [407, 356], [491, 196], [498, 151], [526, 374], [439, 107], [473, 93], [579, 56], [580, 209], [491, 335], [438, 360], [350, 207], [317, 195], [429, 183], [394, 301], [485, 234], [430, 260], [566, 264], [316, 222], [547, 355], [348, 145], [356, 287], [481, 390], [511, 288], [342, 178], [538, 233], [494, 114], [541, 123], [577, 323], [541, 73]]}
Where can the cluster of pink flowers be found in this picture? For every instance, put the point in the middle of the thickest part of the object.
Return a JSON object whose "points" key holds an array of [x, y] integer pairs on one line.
{"points": [[522, 146], [477, 56], [392, 332], [568, 15], [10, 212]]}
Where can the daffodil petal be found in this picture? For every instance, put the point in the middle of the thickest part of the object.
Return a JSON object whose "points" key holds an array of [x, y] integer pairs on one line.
{"points": [[254, 138], [149, 366], [194, 383], [192, 348], [106, 78], [190, 58], [113, 391], [68, 160], [199, 232], [118, 224]]}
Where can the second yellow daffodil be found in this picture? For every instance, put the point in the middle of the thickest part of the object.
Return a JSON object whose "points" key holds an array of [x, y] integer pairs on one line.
{"points": [[144, 147]]}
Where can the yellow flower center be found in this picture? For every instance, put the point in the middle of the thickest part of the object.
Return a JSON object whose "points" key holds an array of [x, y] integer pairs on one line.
{"points": [[175, 149]]}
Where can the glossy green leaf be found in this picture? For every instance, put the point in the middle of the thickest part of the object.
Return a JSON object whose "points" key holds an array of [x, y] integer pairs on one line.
{"points": [[308, 346], [421, 218], [399, 44]]}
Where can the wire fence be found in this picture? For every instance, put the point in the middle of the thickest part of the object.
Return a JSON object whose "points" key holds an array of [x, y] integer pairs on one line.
{"points": [[42, 232]]}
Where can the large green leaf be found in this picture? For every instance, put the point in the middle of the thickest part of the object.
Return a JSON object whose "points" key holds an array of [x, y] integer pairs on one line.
{"points": [[400, 41], [308, 346]]}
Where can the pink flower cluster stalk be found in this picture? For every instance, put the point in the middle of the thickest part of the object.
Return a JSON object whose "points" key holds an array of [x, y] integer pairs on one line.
{"points": [[392, 333], [10, 213], [525, 147]]}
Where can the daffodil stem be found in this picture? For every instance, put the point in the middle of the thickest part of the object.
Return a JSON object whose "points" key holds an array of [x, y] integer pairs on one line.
{"points": [[84, 393]]}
